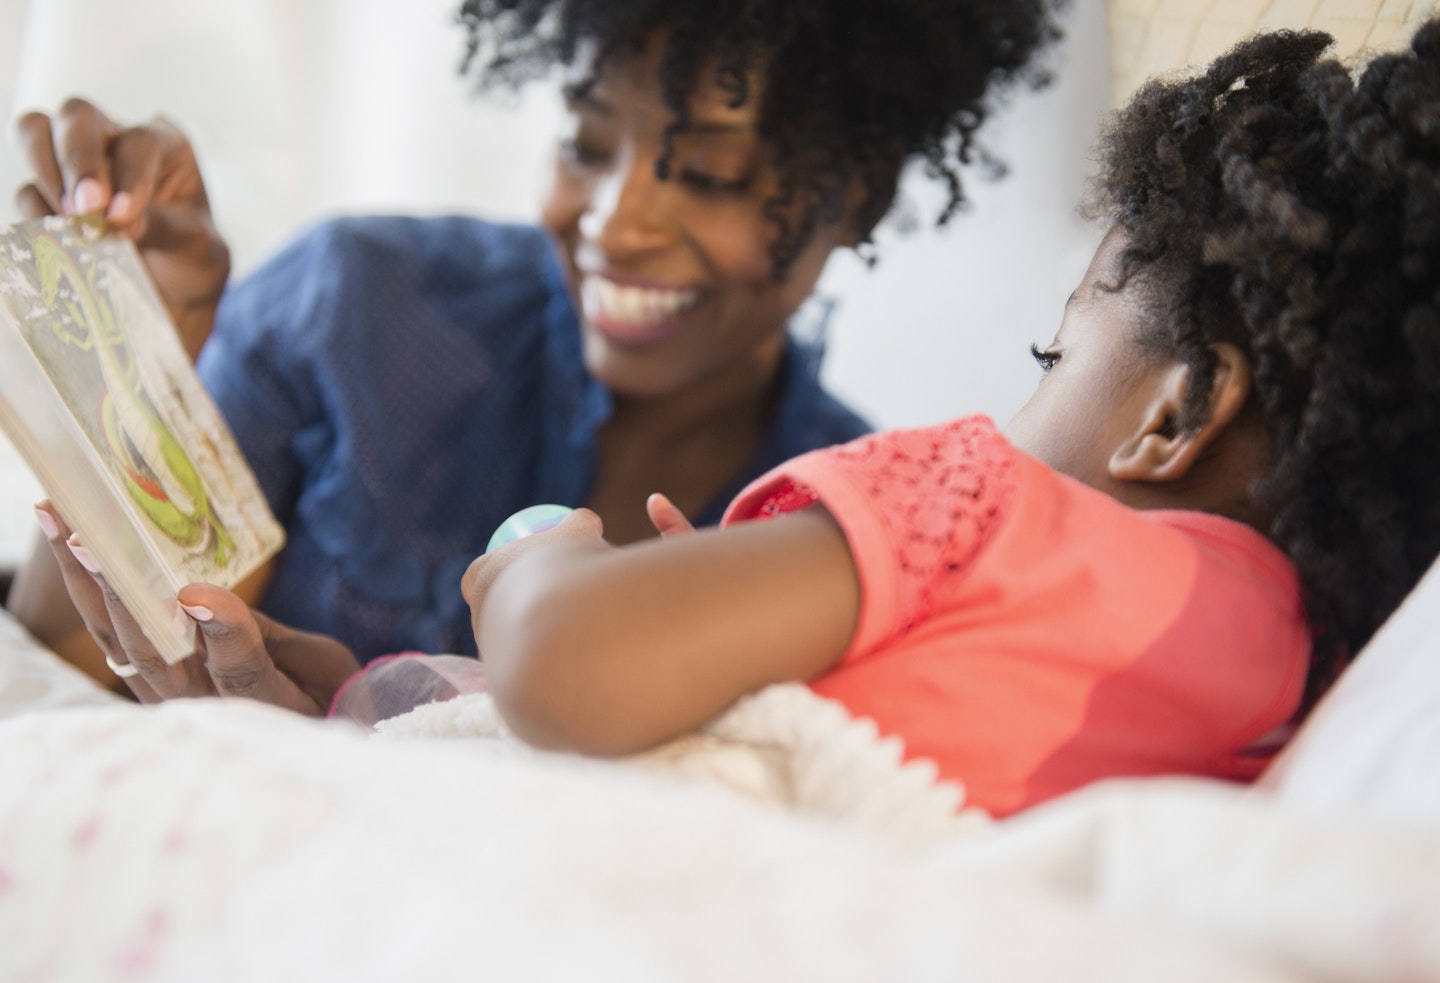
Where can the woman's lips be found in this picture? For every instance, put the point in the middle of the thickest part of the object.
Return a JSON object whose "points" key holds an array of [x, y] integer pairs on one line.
{"points": [[633, 315]]}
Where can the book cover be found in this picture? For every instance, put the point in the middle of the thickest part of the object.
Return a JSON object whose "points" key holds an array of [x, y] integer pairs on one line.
{"points": [[100, 399]]}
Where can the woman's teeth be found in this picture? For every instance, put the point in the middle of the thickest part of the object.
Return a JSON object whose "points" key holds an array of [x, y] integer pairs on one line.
{"points": [[633, 305]]}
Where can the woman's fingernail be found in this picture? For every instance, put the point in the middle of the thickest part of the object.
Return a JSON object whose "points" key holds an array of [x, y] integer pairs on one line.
{"points": [[88, 196], [47, 524], [198, 612], [83, 555], [119, 205]]}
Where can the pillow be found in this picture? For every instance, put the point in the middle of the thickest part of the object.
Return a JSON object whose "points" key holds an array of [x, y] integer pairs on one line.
{"points": [[1372, 745], [34, 678]]}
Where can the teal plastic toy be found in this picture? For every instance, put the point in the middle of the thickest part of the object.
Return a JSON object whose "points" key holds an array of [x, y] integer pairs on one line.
{"points": [[536, 518]]}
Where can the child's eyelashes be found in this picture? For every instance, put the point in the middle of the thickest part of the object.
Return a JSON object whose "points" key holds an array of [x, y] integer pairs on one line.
{"points": [[1044, 358]]}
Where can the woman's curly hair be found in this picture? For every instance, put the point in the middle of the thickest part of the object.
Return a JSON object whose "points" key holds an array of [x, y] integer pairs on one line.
{"points": [[851, 88], [1290, 205]]}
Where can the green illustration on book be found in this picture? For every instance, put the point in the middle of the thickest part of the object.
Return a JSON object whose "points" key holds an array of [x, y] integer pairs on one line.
{"points": [[102, 401], [153, 466]]}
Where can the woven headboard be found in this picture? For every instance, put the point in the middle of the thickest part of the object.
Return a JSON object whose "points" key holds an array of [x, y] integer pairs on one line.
{"points": [[1154, 37]]}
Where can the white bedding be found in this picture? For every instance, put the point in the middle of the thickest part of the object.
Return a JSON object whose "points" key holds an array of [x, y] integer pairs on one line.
{"points": [[209, 840]]}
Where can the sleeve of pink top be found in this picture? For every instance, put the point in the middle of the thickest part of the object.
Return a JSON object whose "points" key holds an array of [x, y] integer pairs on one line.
{"points": [[917, 508]]}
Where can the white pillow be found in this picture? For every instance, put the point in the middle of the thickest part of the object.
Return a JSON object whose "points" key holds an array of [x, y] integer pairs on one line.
{"points": [[1372, 745], [34, 678]]}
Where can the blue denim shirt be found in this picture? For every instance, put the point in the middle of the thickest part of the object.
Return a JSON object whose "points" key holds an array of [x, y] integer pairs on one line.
{"points": [[400, 386]]}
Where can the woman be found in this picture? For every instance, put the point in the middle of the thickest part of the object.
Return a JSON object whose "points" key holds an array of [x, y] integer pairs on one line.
{"points": [[401, 385]]}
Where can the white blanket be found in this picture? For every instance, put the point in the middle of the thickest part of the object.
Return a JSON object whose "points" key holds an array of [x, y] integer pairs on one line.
{"points": [[209, 840]]}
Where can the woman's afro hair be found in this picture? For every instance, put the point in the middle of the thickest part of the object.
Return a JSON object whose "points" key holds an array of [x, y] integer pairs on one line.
{"points": [[1288, 204], [852, 88]]}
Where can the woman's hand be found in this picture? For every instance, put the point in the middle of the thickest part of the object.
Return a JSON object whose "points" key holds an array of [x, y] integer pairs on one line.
{"points": [[146, 182], [239, 652]]}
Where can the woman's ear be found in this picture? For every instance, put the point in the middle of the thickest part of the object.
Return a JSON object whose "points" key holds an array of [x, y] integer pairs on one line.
{"points": [[1159, 450]]}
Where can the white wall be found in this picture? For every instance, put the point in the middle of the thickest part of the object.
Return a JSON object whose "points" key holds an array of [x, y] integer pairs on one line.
{"points": [[301, 109]]}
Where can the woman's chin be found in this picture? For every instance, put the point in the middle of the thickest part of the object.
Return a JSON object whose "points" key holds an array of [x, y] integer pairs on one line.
{"points": [[633, 371]]}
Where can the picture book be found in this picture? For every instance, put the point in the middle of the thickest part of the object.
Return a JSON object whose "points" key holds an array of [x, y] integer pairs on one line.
{"points": [[100, 399]]}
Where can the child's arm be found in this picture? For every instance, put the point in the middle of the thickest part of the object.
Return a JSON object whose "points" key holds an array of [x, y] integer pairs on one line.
{"points": [[611, 651]]}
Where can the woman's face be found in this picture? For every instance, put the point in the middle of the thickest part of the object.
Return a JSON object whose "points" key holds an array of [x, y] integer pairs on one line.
{"points": [[673, 276]]}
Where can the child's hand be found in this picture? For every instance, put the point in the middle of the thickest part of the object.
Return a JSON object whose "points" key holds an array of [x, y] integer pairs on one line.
{"points": [[608, 651], [239, 652], [666, 518], [581, 526]]}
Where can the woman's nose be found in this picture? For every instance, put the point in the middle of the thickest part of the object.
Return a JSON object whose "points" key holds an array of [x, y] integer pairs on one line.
{"points": [[626, 211]]}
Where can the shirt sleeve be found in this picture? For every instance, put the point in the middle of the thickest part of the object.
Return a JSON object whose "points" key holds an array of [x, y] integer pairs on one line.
{"points": [[917, 507], [253, 370]]}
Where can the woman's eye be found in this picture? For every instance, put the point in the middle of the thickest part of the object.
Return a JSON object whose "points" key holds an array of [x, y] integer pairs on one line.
{"points": [[581, 153], [709, 184], [1045, 359]]}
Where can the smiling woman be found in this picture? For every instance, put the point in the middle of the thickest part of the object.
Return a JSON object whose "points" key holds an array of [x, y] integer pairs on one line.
{"points": [[401, 385], [675, 295]]}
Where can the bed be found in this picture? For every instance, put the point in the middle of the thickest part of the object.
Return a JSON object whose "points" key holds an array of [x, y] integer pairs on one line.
{"points": [[224, 840]]}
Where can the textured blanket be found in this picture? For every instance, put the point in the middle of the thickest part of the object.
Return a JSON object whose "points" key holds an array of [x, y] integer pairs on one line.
{"points": [[223, 840]]}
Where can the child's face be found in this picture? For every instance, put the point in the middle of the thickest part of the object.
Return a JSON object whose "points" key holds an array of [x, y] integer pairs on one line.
{"points": [[674, 277], [1101, 385]]}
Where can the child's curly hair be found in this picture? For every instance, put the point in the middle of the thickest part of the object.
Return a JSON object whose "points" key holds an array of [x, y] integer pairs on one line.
{"points": [[851, 88], [1285, 204]]}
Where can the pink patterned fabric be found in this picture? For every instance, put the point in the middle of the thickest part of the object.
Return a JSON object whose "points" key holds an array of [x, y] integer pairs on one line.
{"points": [[941, 493]]}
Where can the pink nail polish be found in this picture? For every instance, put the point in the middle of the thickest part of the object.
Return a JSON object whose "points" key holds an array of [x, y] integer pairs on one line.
{"points": [[88, 196], [198, 612], [47, 524], [83, 555]]}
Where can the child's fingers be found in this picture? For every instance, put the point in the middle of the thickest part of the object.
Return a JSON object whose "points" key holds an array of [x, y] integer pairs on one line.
{"points": [[666, 518], [580, 524]]}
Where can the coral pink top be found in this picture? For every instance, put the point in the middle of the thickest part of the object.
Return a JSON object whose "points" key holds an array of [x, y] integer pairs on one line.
{"points": [[1030, 634]]}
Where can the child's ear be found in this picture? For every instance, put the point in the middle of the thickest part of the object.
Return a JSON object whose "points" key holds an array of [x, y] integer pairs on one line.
{"points": [[1158, 450]]}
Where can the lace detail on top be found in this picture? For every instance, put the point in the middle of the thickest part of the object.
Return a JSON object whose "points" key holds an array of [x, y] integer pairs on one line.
{"points": [[787, 496], [937, 492]]}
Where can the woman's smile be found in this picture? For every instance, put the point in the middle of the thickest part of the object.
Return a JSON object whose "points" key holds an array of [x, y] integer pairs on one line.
{"points": [[630, 313]]}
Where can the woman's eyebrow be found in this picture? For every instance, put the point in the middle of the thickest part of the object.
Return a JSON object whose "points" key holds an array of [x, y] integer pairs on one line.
{"points": [[717, 126], [583, 96]]}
